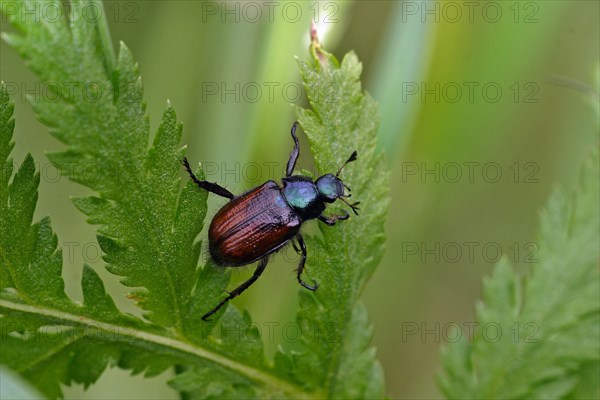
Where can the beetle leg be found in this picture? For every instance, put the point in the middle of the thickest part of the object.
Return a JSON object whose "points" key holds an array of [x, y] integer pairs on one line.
{"points": [[294, 154], [335, 218], [238, 290], [353, 206], [211, 187], [328, 221], [301, 265]]}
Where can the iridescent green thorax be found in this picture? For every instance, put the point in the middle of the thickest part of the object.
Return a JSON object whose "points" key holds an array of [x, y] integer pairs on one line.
{"points": [[302, 195]]}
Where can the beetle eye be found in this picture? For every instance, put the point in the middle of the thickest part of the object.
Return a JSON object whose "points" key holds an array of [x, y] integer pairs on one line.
{"points": [[330, 188]]}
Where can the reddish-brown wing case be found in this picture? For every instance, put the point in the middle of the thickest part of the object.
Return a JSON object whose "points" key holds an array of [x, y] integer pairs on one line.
{"points": [[251, 226]]}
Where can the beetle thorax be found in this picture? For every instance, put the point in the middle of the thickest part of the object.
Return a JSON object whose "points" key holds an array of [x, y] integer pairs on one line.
{"points": [[302, 195]]}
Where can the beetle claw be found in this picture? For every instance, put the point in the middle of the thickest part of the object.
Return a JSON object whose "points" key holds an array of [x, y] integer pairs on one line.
{"points": [[309, 287]]}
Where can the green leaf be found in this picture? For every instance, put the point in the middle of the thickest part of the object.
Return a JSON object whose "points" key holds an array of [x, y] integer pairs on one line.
{"points": [[43, 348], [148, 228], [540, 337], [24, 247], [145, 233], [334, 325]]}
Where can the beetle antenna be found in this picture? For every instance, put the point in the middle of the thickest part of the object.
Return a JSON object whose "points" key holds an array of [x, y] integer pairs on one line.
{"points": [[352, 158], [353, 206]]}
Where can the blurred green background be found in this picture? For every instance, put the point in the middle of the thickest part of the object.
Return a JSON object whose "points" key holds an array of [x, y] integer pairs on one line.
{"points": [[485, 108]]}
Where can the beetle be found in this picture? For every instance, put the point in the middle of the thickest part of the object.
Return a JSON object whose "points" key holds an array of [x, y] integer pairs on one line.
{"points": [[260, 222]]}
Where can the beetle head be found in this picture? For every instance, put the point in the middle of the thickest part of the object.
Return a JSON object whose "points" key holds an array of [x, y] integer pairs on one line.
{"points": [[331, 187]]}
